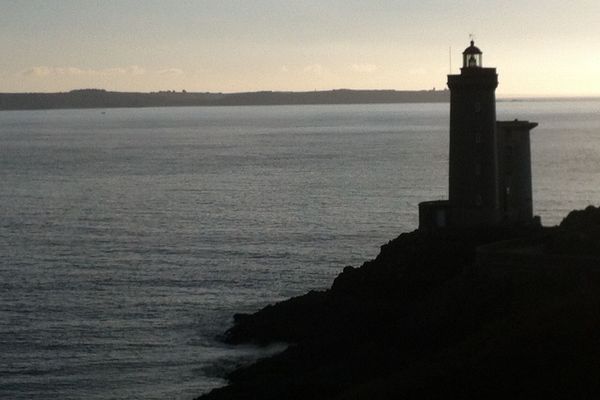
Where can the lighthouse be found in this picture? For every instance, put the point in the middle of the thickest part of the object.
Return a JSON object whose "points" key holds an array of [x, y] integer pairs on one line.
{"points": [[489, 176], [473, 170]]}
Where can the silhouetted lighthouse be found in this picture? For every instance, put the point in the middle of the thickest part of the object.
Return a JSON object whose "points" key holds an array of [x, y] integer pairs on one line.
{"points": [[473, 188], [490, 167]]}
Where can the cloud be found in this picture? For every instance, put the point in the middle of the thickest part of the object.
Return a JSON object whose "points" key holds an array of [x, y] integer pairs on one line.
{"points": [[170, 71], [135, 70], [316, 69], [43, 71], [364, 68], [71, 71], [37, 71]]}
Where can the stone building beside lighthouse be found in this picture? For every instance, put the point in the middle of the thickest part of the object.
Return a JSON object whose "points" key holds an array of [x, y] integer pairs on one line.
{"points": [[489, 161]]}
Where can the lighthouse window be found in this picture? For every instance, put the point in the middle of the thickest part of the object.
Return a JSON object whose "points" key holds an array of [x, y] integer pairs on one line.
{"points": [[477, 106], [472, 61], [478, 137]]}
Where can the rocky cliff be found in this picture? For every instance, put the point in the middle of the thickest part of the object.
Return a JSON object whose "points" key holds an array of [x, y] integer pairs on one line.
{"points": [[426, 320]]}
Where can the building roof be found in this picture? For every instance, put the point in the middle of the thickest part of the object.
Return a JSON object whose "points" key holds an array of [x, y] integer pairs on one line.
{"points": [[472, 49], [516, 124]]}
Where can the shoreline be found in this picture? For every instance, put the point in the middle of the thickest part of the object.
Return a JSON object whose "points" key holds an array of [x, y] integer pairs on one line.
{"points": [[430, 317]]}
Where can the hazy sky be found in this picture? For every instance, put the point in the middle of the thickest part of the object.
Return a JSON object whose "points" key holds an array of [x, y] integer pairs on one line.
{"points": [[549, 47]]}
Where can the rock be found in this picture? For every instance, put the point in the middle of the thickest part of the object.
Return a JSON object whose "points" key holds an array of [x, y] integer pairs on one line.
{"points": [[422, 321], [577, 234]]}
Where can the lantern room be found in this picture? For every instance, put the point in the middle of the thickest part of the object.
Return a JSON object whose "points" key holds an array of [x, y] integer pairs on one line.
{"points": [[472, 57]]}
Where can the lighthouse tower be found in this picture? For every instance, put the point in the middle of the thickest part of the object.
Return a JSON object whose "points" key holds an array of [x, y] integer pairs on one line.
{"points": [[490, 161], [473, 174]]}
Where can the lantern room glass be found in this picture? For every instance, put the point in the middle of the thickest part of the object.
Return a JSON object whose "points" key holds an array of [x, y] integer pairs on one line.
{"points": [[472, 60]]}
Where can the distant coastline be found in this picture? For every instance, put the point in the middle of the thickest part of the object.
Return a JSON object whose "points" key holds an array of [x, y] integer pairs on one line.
{"points": [[99, 98]]}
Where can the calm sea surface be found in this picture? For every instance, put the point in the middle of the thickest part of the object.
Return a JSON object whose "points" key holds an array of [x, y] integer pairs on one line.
{"points": [[128, 239]]}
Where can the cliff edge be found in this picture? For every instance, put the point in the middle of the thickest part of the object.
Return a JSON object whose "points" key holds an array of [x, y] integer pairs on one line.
{"points": [[427, 318]]}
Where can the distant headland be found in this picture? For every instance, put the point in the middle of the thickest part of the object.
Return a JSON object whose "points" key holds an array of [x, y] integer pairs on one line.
{"points": [[99, 98]]}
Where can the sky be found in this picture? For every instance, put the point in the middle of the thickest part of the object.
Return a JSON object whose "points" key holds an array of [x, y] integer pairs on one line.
{"points": [[540, 48]]}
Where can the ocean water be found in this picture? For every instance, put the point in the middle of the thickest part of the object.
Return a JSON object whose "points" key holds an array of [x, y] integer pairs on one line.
{"points": [[129, 237]]}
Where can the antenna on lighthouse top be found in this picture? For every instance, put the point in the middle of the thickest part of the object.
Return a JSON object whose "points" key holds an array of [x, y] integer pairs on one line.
{"points": [[471, 37]]}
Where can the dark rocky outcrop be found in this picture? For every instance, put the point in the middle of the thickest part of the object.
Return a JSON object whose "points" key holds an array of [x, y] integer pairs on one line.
{"points": [[425, 320], [578, 233]]}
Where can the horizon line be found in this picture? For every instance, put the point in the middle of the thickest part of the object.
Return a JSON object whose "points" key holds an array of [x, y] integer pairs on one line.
{"points": [[506, 96]]}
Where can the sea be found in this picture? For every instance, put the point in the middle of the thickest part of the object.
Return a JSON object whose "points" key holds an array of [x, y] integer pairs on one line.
{"points": [[130, 237]]}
